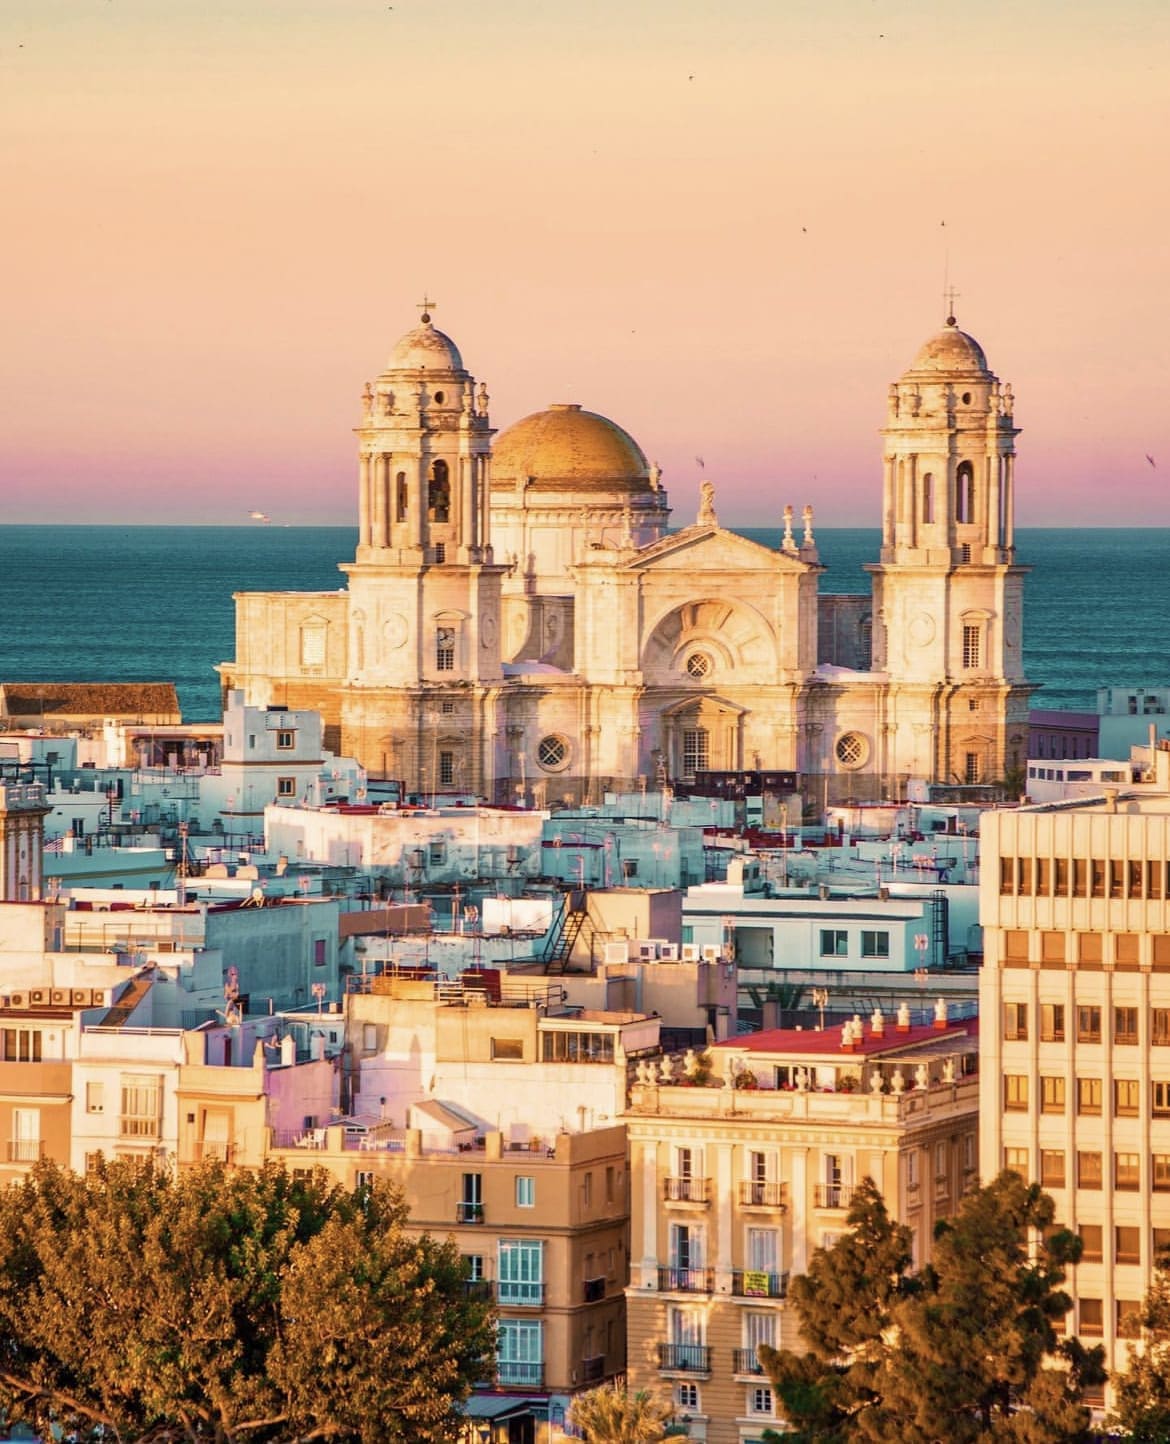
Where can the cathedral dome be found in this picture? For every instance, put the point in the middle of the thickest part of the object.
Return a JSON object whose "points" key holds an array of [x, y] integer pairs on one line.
{"points": [[951, 350], [426, 346], [566, 446]]}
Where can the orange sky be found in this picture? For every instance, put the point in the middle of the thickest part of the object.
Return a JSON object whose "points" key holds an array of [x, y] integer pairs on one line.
{"points": [[722, 225]]}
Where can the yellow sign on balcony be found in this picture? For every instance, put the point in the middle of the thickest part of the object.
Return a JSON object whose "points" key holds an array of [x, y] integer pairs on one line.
{"points": [[755, 1284]]}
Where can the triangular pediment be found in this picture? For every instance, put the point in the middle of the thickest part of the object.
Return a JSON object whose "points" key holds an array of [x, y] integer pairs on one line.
{"points": [[713, 548]]}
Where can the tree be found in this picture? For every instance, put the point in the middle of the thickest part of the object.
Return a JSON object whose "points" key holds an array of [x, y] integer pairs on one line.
{"points": [[610, 1415], [844, 1303], [963, 1349], [1143, 1391], [142, 1306]]}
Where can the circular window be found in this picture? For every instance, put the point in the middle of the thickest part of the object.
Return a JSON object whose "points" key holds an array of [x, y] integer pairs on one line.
{"points": [[552, 753], [966, 398], [438, 398], [851, 750], [698, 664]]}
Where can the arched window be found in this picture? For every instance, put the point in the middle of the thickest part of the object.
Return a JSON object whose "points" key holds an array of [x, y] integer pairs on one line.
{"points": [[439, 494], [928, 497], [400, 496], [965, 492]]}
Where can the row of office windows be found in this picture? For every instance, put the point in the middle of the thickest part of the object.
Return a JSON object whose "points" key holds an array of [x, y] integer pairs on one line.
{"points": [[1087, 949], [1088, 1021], [1053, 1093], [1090, 1169], [1084, 877]]}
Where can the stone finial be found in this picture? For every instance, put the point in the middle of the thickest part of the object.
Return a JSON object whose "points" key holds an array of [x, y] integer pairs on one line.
{"points": [[706, 516], [655, 477], [877, 1023], [894, 398], [1006, 400], [666, 1067], [643, 1071], [800, 1078], [903, 1023], [948, 1070], [898, 1082], [368, 401], [806, 516], [690, 1062], [789, 542], [921, 1076], [481, 400], [847, 1037], [875, 1081], [940, 1013]]}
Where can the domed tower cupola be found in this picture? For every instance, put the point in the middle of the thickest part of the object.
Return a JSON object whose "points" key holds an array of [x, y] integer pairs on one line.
{"points": [[424, 444], [949, 456]]}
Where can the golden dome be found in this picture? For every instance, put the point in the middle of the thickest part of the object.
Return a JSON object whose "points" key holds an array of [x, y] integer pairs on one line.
{"points": [[572, 448], [426, 346], [951, 350]]}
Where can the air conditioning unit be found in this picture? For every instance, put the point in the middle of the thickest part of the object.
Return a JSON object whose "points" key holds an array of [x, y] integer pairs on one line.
{"points": [[648, 952], [669, 953], [712, 952], [38, 997], [18, 1000], [617, 952], [79, 997], [691, 952], [59, 997]]}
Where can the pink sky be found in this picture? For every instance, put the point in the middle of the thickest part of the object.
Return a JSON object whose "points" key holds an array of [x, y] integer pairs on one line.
{"points": [[720, 225]]}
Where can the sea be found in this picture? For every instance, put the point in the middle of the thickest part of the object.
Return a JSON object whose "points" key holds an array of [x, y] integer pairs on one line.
{"points": [[154, 603]]}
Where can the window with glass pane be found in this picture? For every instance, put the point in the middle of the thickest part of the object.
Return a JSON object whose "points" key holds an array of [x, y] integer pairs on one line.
{"points": [[1052, 1022], [1052, 1167], [1126, 1097], [1015, 1092], [520, 1271], [1089, 1170], [519, 1351], [141, 1097], [1052, 1094], [1088, 1024], [1089, 1096], [1126, 1172], [696, 750], [1125, 1025], [1015, 1021]]}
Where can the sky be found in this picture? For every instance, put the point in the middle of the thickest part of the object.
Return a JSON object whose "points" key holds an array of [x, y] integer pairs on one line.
{"points": [[726, 226]]}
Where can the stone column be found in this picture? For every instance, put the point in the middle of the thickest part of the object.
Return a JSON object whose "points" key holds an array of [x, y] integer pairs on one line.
{"points": [[1009, 505], [379, 466], [994, 524], [363, 501]]}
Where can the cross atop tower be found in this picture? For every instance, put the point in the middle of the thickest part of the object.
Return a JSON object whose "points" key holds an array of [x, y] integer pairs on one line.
{"points": [[425, 307], [950, 295]]}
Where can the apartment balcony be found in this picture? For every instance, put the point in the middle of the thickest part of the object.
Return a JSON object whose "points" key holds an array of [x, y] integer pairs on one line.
{"points": [[687, 1190], [684, 1358], [756, 1193], [758, 1284], [744, 1361], [686, 1281], [469, 1213], [593, 1370], [26, 1150], [594, 1290], [519, 1295], [135, 1126], [478, 1290], [215, 1150], [833, 1195], [513, 1375]]}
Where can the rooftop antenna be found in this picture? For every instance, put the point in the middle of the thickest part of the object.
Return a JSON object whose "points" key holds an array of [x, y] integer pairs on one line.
{"points": [[425, 307]]}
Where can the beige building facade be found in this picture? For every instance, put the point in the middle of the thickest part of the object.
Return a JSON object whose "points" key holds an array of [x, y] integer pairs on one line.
{"points": [[1075, 1003], [519, 622], [739, 1173]]}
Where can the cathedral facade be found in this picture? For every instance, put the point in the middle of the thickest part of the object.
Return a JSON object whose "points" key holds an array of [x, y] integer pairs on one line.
{"points": [[520, 623]]}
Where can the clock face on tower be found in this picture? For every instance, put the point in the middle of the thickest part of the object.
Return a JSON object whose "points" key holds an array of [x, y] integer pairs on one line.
{"points": [[921, 630]]}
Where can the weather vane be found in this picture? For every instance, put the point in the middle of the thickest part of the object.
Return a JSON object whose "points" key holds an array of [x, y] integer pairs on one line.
{"points": [[950, 296], [425, 308]]}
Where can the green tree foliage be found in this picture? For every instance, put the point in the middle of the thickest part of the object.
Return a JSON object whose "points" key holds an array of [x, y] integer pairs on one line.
{"points": [[609, 1415], [1143, 1391], [963, 1349], [229, 1306]]}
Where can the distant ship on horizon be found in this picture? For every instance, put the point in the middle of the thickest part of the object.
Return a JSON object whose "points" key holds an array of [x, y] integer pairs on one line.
{"points": [[261, 516]]}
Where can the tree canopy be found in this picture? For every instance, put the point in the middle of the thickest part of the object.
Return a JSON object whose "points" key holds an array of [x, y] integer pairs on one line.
{"points": [[140, 1305], [962, 1349], [1143, 1391]]}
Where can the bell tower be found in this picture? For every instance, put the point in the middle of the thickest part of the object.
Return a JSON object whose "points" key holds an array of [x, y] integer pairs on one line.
{"points": [[424, 592], [948, 595]]}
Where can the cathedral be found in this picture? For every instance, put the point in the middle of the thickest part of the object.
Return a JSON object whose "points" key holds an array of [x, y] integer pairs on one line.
{"points": [[520, 622]]}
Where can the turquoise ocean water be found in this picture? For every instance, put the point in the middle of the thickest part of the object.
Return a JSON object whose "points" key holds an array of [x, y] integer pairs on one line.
{"points": [[85, 603]]}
